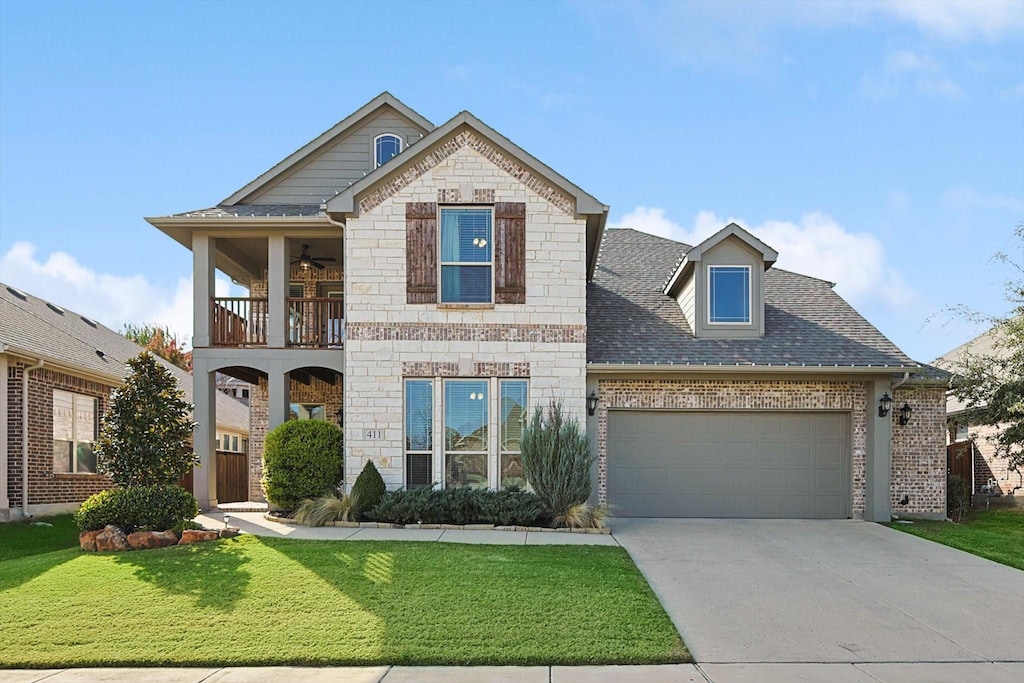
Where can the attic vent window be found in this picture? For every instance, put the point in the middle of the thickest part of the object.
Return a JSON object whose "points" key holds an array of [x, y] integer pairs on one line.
{"points": [[55, 308], [729, 294], [18, 293], [385, 147], [88, 321]]}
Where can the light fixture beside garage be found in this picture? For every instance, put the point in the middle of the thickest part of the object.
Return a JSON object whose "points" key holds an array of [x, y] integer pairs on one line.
{"points": [[884, 404], [905, 412], [592, 403]]}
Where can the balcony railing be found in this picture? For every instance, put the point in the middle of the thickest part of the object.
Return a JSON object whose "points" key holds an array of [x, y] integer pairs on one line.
{"points": [[316, 322], [238, 321], [313, 322]]}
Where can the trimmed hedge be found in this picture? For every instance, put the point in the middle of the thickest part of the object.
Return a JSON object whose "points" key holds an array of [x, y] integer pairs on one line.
{"points": [[152, 508], [369, 488], [458, 506], [301, 459]]}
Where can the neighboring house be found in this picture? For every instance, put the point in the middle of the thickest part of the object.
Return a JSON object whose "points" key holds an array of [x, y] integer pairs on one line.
{"points": [[66, 365], [990, 474], [428, 286], [233, 387]]}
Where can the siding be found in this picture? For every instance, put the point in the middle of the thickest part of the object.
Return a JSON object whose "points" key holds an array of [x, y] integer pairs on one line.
{"points": [[340, 163]]}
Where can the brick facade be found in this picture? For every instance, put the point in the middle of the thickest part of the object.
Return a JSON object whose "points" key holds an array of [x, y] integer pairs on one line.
{"points": [[45, 486], [919, 451], [988, 466]]}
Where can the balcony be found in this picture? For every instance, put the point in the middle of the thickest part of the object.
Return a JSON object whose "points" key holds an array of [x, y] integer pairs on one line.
{"points": [[312, 322]]}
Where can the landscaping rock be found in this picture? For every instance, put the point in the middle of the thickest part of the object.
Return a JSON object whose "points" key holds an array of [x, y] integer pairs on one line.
{"points": [[189, 536], [230, 532], [142, 540], [87, 540], [111, 538]]}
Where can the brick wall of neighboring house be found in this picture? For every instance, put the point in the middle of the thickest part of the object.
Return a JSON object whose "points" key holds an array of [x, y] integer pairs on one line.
{"points": [[739, 395], [388, 339], [987, 465], [919, 451], [317, 391], [46, 487]]}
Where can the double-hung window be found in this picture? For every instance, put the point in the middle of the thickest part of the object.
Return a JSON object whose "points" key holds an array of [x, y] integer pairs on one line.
{"points": [[513, 419], [74, 432], [729, 294], [467, 256], [419, 432]]}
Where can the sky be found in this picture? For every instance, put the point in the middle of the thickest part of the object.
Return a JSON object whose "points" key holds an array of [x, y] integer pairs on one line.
{"points": [[877, 145]]}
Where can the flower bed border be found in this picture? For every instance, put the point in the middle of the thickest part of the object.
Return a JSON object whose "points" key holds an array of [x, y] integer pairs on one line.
{"points": [[447, 527]]}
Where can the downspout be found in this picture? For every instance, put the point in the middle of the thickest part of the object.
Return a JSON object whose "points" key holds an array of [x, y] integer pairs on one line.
{"points": [[24, 437], [894, 387]]}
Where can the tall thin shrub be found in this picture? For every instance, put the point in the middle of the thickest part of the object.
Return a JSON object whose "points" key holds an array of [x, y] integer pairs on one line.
{"points": [[958, 497], [557, 459]]}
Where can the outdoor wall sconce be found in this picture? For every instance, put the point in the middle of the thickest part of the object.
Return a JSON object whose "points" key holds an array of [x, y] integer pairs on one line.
{"points": [[340, 415], [905, 412], [592, 403], [884, 404]]}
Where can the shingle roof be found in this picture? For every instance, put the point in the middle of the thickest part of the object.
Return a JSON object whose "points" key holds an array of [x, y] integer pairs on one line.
{"points": [[630, 320], [35, 326], [982, 345], [257, 210]]}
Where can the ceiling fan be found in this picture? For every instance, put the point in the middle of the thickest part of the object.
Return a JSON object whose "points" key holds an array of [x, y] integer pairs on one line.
{"points": [[305, 261]]}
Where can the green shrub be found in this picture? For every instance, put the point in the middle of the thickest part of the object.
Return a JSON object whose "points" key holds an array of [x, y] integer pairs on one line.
{"points": [[958, 497], [557, 460], [330, 507], [458, 506], [146, 433], [134, 508], [369, 487], [301, 459]]}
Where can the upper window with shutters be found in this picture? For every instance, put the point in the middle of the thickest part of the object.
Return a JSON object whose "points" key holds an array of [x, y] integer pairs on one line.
{"points": [[466, 255]]}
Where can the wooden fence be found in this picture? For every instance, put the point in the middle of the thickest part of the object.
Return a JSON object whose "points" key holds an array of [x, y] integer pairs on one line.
{"points": [[232, 478]]}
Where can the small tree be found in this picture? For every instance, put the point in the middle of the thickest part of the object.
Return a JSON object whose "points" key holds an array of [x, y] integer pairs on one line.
{"points": [[369, 487], [146, 434], [161, 341], [557, 460]]}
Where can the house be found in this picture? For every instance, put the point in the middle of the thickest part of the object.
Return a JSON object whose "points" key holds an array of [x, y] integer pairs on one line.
{"points": [[984, 471], [63, 366], [426, 286]]}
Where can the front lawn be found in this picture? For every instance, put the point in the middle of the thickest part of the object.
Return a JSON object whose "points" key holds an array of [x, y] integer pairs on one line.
{"points": [[20, 539], [263, 601], [996, 534]]}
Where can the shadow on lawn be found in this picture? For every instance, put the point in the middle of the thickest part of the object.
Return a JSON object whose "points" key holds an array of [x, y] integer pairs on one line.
{"points": [[209, 573], [21, 570]]}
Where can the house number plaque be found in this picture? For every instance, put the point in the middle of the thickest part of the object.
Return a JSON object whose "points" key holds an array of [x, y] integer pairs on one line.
{"points": [[373, 434]]}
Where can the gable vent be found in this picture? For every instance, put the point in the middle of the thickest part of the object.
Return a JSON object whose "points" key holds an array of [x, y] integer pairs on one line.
{"points": [[88, 321], [18, 293], [55, 308]]}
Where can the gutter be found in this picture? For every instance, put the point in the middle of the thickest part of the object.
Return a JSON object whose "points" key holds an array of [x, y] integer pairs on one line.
{"points": [[625, 368], [24, 436]]}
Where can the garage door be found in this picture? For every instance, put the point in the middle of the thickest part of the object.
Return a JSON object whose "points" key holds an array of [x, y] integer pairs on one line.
{"points": [[729, 464]]}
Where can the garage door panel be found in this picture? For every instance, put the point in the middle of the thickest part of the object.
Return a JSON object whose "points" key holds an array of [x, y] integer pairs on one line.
{"points": [[728, 464]]}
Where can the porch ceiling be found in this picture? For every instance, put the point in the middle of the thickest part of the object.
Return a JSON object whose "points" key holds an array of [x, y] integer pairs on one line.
{"points": [[245, 258]]}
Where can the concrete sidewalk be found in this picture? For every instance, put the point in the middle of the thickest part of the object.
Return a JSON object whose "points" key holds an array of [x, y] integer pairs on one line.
{"points": [[677, 673], [254, 523]]}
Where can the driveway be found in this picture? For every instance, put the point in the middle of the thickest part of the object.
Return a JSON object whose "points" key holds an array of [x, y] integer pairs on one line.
{"points": [[826, 591]]}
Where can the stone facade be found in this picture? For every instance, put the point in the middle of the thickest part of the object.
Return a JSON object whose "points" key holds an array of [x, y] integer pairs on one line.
{"points": [[919, 452], [317, 391], [918, 460], [388, 339], [46, 488]]}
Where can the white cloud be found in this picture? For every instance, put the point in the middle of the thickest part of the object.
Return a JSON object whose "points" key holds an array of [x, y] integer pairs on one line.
{"points": [[111, 299], [958, 19], [817, 246], [902, 70], [964, 198]]}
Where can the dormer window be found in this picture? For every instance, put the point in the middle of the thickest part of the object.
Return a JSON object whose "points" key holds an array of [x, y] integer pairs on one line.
{"points": [[385, 147], [729, 295]]}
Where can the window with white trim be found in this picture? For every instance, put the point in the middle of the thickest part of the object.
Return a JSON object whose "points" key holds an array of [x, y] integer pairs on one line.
{"points": [[74, 432], [307, 411], [385, 147], [512, 416], [729, 294], [419, 433], [467, 256]]}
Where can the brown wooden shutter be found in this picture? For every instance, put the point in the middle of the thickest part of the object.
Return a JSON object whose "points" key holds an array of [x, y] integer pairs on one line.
{"points": [[510, 253], [421, 252]]}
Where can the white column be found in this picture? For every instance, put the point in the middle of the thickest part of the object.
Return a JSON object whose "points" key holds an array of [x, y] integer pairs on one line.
{"points": [[204, 477], [277, 291], [877, 496], [278, 395], [204, 263]]}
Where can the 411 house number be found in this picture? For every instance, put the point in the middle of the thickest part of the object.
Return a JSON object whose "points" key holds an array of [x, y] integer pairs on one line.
{"points": [[372, 434]]}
